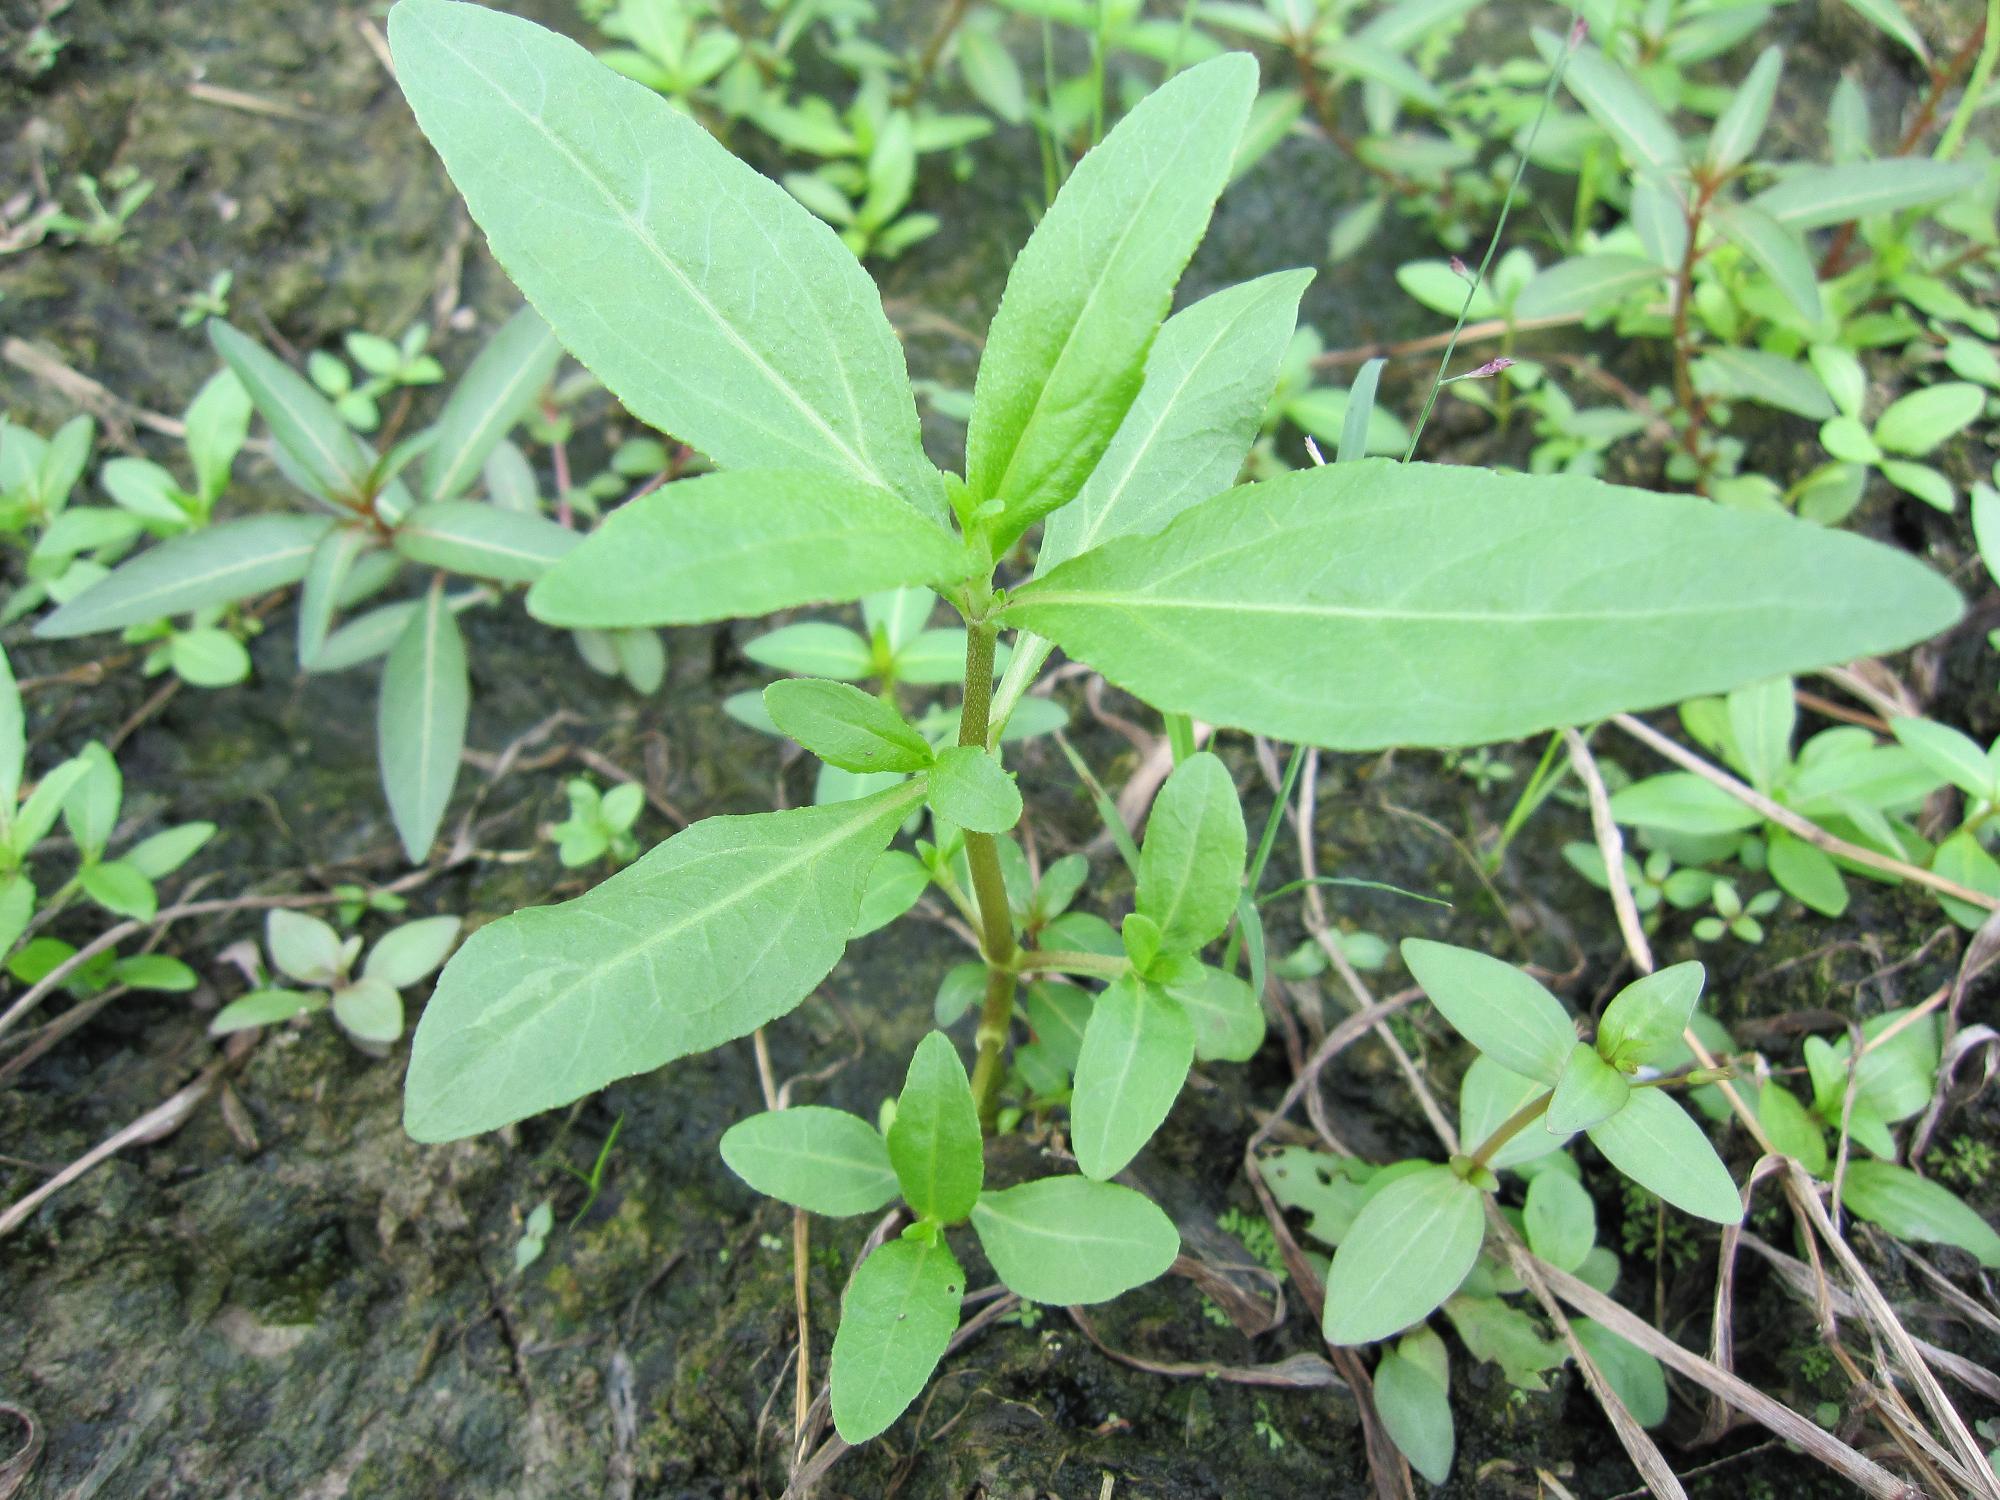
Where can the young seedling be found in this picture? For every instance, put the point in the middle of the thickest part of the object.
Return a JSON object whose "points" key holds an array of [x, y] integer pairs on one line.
{"points": [[367, 1006], [1360, 605]]}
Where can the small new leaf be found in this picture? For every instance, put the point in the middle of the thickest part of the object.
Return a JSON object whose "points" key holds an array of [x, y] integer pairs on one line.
{"points": [[846, 727]]}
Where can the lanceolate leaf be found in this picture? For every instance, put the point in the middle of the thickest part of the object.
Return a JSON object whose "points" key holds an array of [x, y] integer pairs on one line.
{"points": [[1066, 352], [895, 1321], [1136, 1053], [1654, 1142], [13, 741], [326, 573], [1493, 1005], [934, 1140], [1068, 1240], [1816, 197], [825, 1161], [1915, 1208], [497, 390], [711, 303], [1778, 252], [483, 541], [743, 543], [1209, 377], [1191, 863], [725, 926], [333, 462], [1415, 1406], [1624, 109], [1371, 604], [1408, 1249], [1738, 127], [1584, 284], [226, 562], [420, 722]]}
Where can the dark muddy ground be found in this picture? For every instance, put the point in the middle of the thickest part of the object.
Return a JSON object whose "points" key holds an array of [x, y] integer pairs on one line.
{"points": [[288, 1298]]}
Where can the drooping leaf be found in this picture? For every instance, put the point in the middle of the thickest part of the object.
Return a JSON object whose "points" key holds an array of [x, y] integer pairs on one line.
{"points": [[846, 727], [725, 926], [1589, 1092], [1136, 1053], [1066, 1241], [483, 541], [743, 543], [1493, 1005], [1654, 1142], [711, 303], [934, 1140], [1915, 1208], [420, 722], [1066, 352], [1409, 1248], [1191, 863], [228, 561], [825, 1161], [969, 787], [1208, 379], [497, 390], [1648, 1016], [899, 1313], [1371, 604]]}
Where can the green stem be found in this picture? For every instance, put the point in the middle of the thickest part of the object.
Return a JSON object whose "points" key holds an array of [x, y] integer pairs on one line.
{"points": [[989, 888], [1982, 74], [1510, 1127], [1254, 876], [1062, 961]]}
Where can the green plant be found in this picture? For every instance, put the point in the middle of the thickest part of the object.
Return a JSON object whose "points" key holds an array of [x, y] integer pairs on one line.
{"points": [[387, 365], [1358, 605], [599, 824], [101, 223], [367, 1006]]}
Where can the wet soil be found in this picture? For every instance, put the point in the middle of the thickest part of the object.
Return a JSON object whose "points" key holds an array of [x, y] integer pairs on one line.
{"points": [[287, 1297]]}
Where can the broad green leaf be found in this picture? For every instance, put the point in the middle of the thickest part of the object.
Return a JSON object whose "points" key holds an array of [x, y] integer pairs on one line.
{"points": [[712, 304], [1648, 1017], [1950, 754], [1496, 1007], [1630, 1371], [1932, 486], [1191, 863], [1754, 375], [1682, 802], [825, 1161], [1488, 1096], [169, 849], [407, 954], [743, 543], [1136, 1053], [899, 1313], [894, 886], [1762, 719], [369, 1010], [1209, 376], [1589, 1092], [90, 810], [725, 926], [846, 727], [1915, 1208], [1445, 290], [304, 947], [814, 648], [1777, 251], [208, 657], [13, 741], [1584, 284], [968, 786], [934, 1140], [1807, 873], [1228, 1022], [1560, 1219], [1066, 352], [1408, 1249], [1923, 420], [1816, 197], [1791, 1129], [1364, 605], [1739, 127], [1414, 1401], [1059, 1014], [1066, 1241], [117, 887], [497, 390], [1498, 1332], [1898, 1067], [1653, 1142], [333, 462], [1624, 109], [219, 565], [483, 541], [420, 722]]}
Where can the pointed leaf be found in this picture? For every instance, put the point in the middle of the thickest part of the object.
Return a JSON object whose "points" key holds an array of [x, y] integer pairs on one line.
{"points": [[1630, 1371], [1372, 604], [13, 741], [1950, 754], [483, 541], [711, 303], [1408, 1249], [825, 1161], [1066, 352], [1778, 252], [498, 389], [1496, 1007], [1623, 108], [420, 722], [899, 1313], [1817, 197], [1136, 1053], [1488, 1096], [1653, 1142], [333, 462], [1589, 1092], [846, 727], [219, 565], [1915, 1208], [1807, 873], [725, 926], [1647, 1018], [1191, 863], [1415, 1407], [1560, 1220], [1066, 1241], [1228, 1022], [741, 544], [405, 955], [1925, 419], [934, 1140], [1739, 127], [1583, 285], [327, 572]]}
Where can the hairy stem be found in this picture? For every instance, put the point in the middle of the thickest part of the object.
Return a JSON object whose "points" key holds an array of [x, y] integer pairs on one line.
{"points": [[989, 889]]}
